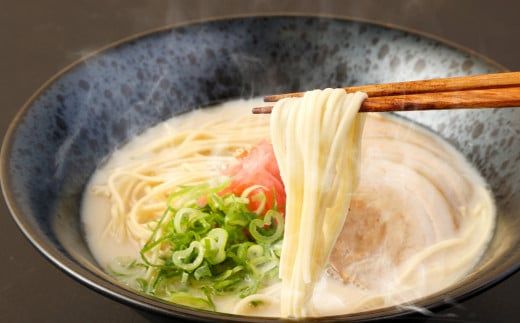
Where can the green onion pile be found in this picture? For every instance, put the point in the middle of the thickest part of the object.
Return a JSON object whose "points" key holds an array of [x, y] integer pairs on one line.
{"points": [[206, 244]]}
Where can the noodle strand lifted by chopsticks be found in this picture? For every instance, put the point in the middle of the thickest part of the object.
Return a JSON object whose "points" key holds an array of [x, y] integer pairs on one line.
{"points": [[316, 140]]}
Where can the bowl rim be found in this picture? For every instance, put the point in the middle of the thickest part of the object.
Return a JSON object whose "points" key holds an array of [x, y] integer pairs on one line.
{"points": [[127, 296]]}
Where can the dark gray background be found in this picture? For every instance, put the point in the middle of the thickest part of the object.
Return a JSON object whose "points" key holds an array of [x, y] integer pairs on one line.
{"points": [[40, 37]]}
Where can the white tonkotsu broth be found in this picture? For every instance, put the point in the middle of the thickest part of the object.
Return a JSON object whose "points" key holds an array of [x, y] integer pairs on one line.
{"points": [[419, 220]]}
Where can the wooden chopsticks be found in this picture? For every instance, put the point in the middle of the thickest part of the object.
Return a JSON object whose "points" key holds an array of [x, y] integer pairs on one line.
{"points": [[478, 91]]}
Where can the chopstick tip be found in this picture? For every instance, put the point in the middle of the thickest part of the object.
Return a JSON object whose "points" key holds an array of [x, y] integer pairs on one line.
{"points": [[270, 98], [262, 110]]}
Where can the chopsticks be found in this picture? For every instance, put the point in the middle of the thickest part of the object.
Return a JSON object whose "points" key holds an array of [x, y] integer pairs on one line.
{"points": [[499, 90]]}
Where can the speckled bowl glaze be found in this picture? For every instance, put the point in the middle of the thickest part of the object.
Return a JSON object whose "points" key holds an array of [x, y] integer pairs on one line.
{"points": [[81, 115]]}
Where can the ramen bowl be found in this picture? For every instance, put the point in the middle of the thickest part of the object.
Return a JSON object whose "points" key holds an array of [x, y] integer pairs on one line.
{"points": [[70, 126]]}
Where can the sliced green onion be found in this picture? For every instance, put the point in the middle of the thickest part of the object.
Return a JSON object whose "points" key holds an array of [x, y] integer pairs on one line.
{"points": [[239, 252], [215, 202], [277, 248], [258, 225], [192, 301], [262, 265], [150, 241], [142, 283], [259, 196], [198, 223], [255, 251], [181, 220], [202, 272], [228, 273], [255, 303], [189, 258], [184, 279], [233, 199], [217, 240]]}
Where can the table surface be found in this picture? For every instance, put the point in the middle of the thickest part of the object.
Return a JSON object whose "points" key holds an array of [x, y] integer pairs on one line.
{"points": [[40, 37]]}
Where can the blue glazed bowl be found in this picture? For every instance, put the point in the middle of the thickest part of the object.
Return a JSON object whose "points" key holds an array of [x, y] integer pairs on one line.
{"points": [[82, 114]]}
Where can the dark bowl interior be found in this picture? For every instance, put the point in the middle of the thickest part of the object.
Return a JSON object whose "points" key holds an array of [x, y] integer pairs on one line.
{"points": [[73, 123]]}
